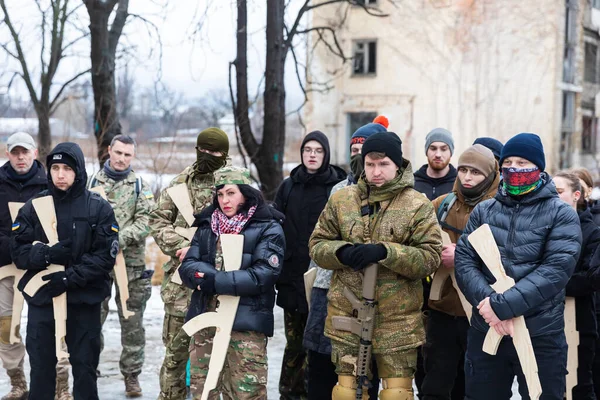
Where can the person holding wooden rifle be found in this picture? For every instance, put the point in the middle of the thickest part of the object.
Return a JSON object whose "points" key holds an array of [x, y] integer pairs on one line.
{"points": [[166, 224], [581, 285], [447, 324], [87, 247], [132, 200], [21, 178], [240, 209], [381, 222], [539, 239]]}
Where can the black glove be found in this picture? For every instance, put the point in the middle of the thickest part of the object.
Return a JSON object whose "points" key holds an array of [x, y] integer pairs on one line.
{"points": [[361, 255], [58, 283], [60, 253], [207, 283], [344, 254]]}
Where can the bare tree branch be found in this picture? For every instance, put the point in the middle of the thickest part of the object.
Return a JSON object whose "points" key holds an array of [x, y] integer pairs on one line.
{"points": [[53, 105], [117, 26]]}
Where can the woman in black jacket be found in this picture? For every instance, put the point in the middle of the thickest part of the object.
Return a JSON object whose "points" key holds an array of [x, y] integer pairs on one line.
{"points": [[539, 239], [237, 209], [580, 285]]}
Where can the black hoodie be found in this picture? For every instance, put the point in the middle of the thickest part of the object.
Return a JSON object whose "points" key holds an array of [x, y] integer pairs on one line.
{"points": [[434, 187], [87, 220], [302, 197]]}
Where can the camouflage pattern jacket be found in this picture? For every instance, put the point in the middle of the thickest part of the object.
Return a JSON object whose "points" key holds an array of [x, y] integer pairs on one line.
{"points": [[132, 211], [404, 222], [163, 221]]}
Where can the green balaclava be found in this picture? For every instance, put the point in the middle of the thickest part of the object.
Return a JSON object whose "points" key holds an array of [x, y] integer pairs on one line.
{"points": [[212, 139]]}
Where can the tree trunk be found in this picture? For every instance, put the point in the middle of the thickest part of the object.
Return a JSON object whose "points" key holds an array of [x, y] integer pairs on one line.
{"points": [[269, 162], [44, 136], [106, 117]]}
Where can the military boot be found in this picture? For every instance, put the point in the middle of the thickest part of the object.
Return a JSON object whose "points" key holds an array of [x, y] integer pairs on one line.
{"points": [[62, 387], [132, 386], [19, 385]]}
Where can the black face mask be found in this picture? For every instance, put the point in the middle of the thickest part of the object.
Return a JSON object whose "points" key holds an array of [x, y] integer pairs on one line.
{"points": [[475, 194], [356, 165], [206, 163]]}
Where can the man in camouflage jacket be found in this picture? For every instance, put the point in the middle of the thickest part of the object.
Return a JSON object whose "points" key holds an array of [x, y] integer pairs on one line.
{"points": [[211, 152], [400, 232], [132, 201]]}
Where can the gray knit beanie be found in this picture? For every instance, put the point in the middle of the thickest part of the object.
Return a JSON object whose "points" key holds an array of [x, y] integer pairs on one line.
{"points": [[439, 135]]}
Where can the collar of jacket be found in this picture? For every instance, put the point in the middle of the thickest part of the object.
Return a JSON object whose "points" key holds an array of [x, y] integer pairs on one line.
{"points": [[390, 189], [265, 212], [103, 177], [38, 179], [546, 191]]}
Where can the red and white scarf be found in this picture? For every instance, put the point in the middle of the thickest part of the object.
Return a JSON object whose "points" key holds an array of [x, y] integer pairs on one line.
{"points": [[221, 224]]}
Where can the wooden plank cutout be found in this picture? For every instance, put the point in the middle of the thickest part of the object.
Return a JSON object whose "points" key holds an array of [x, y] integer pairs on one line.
{"points": [[484, 244], [8, 271], [44, 207], [120, 269], [439, 280], [222, 319], [180, 196], [309, 281], [572, 341]]}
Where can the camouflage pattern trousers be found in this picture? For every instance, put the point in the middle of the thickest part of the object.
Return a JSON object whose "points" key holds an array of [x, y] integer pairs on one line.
{"points": [[244, 374], [292, 385], [399, 364], [133, 334], [172, 372]]}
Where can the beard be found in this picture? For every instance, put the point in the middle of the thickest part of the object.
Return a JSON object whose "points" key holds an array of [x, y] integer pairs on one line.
{"points": [[438, 166]]}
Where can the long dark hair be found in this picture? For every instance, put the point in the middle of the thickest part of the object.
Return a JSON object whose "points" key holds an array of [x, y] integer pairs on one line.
{"points": [[252, 197]]}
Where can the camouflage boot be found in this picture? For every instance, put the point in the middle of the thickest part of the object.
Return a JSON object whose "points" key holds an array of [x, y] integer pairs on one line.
{"points": [[132, 386], [62, 387], [19, 385]]}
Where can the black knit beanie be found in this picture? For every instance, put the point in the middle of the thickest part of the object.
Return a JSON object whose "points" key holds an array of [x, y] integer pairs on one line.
{"points": [[384, 142]]}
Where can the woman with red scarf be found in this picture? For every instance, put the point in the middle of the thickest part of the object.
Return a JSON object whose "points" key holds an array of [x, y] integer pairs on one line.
{"points": [[237, 209]]}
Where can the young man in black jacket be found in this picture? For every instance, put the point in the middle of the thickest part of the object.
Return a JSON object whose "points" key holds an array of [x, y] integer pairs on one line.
{"points": [[301, 197], [21, 178], [87, 247]]}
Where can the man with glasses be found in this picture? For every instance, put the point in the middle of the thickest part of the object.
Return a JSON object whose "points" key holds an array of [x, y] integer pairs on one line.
{"points": [[212, 148], [301, 197]]}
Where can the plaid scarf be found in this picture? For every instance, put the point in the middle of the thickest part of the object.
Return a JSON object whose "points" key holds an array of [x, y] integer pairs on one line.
{"points": [[221, 224]]}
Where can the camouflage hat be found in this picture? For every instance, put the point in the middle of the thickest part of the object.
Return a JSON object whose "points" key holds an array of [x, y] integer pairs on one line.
{"points": [[230, 175]]}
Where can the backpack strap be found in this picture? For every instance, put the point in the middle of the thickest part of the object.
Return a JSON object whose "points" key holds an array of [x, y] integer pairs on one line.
{"points": [[442, 212], [93, 182], [138, 186]]}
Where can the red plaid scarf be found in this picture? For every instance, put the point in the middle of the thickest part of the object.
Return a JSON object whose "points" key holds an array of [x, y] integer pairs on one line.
{"points": [[221, 224]]}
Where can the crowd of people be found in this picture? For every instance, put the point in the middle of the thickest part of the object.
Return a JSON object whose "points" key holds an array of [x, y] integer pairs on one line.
{"points": [[380, 213]]}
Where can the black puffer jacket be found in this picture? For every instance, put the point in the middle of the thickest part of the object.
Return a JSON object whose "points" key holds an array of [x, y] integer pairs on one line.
{"points": [[254, 282], [19, 191], [539, 238], [84, 217], [581, 284], [434, 187], [302, 197]]}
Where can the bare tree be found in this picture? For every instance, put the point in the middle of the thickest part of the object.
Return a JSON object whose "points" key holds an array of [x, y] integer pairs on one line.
{"points": [[267, 156], [53, 23], [103, 54]]}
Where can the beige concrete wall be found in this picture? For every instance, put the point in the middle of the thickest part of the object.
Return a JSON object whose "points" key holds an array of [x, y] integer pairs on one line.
{"points": [[478, 68]]}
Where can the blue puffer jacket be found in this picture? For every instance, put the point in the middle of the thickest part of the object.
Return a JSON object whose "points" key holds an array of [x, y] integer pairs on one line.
{"points": [[539, 238], [264, 246]]}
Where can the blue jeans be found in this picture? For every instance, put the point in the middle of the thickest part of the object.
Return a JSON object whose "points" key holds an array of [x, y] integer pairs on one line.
{"points": [[491, 377]]}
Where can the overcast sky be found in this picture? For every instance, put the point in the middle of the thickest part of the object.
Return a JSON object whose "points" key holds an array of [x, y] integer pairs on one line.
{"points": [[191, 64]]}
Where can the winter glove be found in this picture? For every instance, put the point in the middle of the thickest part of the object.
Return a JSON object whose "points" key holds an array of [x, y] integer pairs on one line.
{"points": [[57, 284], [362, 255], [206, 283], [60, 253], [344, 254]]}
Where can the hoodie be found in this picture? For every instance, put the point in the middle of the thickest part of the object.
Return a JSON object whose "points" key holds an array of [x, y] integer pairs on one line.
{"points": [[86, 219], [434, 187]]}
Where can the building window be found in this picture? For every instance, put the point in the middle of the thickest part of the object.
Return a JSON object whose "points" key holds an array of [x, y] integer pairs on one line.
{"points": [[588, 135], [365, 57], [358, 119], [591, 63]]}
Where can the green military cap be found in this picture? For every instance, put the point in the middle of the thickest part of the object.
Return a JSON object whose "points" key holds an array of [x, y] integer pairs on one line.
{"points": [[230, 175]]}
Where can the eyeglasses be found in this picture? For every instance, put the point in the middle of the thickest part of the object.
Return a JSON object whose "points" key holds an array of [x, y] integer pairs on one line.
{"points": [[308, 150]]}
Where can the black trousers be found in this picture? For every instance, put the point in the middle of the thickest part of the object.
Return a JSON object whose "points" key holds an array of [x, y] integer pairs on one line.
{"points": [[443, 357], [490, 377], [584, 390], [322, 377], [83, 342]]}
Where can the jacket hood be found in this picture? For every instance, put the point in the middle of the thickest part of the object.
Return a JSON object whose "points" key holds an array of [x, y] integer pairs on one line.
{"points": [[491, 192], [450, 176], [74, 151], [322, 139], [389, 189], [333, 174], [546, 191]]}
